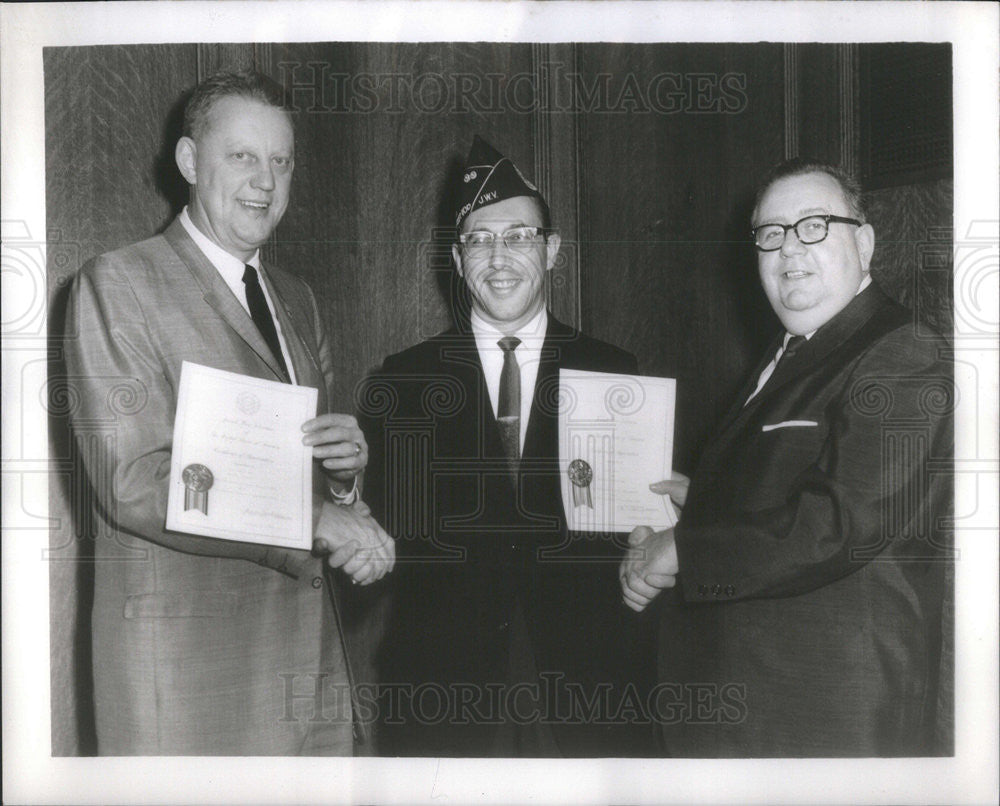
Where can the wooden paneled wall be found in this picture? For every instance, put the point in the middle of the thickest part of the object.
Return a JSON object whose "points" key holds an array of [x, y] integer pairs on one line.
{"points": [[648, 154]]}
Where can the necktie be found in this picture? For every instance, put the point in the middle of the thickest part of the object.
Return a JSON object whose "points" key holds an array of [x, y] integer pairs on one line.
{"points": [[261, 314], [509, 408], [765, 377], [793, 344]]}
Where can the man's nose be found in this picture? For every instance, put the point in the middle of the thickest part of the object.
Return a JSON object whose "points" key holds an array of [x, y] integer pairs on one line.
{"points": [[263, 178], [792, 246], [498, 253]]}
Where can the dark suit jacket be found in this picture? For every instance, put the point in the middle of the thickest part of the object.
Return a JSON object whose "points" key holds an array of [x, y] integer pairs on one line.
{"points": [[807, 619], [472, 544], [195, 640]]}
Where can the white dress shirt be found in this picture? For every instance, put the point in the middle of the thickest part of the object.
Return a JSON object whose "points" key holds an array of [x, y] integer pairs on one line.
{"points": [[528, 353], [231, 270]]}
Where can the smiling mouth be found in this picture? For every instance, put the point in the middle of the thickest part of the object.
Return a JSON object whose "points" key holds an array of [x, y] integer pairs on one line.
{"points": [[795, 274], [254, 205], [502, 285]]}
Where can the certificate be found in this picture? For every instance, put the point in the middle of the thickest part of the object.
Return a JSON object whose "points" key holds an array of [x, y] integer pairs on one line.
{"points": [[616, 437], [238, 468]]}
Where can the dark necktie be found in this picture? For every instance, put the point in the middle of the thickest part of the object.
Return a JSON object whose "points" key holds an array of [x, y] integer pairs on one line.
{"points": [[261, 315], [793, 344], [509, 408]]}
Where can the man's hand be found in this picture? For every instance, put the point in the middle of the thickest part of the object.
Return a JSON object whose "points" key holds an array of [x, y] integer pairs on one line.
{"points": [[650, 565], [676, 487], [355, 542], [339, 444]]}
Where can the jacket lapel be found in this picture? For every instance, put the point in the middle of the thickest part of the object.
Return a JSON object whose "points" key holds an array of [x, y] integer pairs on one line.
{"points": [[810, 354], [540, 439], [294, 326], [823, 342], [460, 355], [740, 404], [218, 295]]}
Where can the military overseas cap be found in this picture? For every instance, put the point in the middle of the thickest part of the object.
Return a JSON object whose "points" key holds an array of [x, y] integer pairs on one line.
{"points": [[489, 178]]}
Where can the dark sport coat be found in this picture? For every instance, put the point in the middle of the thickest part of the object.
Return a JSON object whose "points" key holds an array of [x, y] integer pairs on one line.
{"points": [[807, 616], [481, 554]]}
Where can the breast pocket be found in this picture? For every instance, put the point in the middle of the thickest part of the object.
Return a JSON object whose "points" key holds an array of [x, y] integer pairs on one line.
{"points": [[774, 457]]}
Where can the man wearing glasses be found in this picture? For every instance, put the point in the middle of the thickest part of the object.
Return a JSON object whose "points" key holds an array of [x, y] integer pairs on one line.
{"points": [[807, 571], [507, 638]]}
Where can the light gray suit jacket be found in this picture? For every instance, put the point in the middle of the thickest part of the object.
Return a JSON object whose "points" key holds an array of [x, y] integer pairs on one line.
{"points": [[200, 646]]}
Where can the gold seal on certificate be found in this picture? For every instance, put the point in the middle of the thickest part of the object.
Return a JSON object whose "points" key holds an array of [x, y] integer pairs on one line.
{"points": [[198, 480], [581, 475]]}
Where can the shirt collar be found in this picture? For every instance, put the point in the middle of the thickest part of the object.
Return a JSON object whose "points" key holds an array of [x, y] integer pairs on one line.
{"points": [[531, 334], [217, 256]]}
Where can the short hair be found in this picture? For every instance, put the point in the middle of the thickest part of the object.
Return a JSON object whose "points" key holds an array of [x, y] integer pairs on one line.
{"points": [[798, 166], [245, 84]]}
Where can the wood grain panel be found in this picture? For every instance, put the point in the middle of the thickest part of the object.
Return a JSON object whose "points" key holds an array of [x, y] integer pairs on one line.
{"points": [[913, 260], [820, 91], [232, 57], [112, 118], [557, 171], [667, 270]]}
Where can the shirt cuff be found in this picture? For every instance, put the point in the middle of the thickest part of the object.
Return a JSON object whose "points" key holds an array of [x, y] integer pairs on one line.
{"points": [[344, 499]]}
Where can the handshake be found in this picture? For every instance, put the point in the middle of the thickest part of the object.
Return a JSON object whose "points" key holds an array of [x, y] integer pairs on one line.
{"points": [[349, 535], [354, 542], [650, 564]]}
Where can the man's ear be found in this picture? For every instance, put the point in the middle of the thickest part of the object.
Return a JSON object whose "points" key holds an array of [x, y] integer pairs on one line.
{"points": [[456, 255], [552, 244], [185, 154], [864, 237]]}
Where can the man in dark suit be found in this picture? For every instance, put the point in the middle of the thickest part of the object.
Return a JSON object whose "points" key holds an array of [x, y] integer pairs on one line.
{"points": [[808, 566], [204, 646], [506, 636]]}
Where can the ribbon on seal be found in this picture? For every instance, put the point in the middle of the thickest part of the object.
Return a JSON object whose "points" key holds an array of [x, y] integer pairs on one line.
{"points": [[580, 474], [198, 480]]}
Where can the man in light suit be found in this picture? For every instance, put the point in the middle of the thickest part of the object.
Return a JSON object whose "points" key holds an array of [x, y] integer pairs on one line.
{"points": [[205, 646], [504, 630], [808, 566]]}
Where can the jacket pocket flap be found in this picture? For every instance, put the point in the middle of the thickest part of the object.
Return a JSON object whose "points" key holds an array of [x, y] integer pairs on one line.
{"points": [[189, 604]]}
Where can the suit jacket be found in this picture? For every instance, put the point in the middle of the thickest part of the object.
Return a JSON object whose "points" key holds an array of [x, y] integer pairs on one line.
{"points": [[483, 557], [200, 646], [807, 617]]}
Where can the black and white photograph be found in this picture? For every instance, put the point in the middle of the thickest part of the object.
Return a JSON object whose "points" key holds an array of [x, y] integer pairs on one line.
{"points": [[500, 402]]}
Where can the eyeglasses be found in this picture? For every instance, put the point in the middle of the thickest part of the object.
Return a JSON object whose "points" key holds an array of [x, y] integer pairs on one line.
{"points": [[809, 230], [517, 239]]}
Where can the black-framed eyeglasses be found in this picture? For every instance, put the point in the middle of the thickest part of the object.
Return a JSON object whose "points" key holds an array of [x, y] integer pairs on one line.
{"points": [[809, 230], [516, 238]]}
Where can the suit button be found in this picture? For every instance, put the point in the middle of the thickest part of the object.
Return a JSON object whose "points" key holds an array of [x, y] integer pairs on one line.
{"points": [[716, 590], [702, 590], [317, 582], [730, 590]]}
